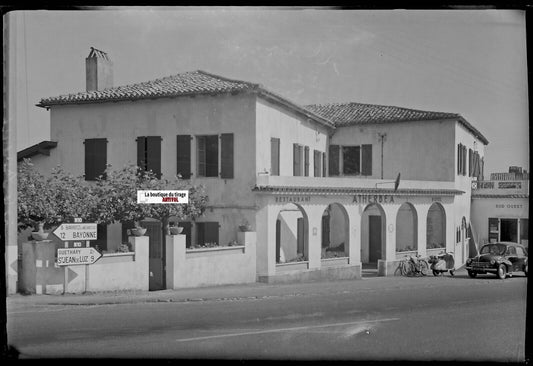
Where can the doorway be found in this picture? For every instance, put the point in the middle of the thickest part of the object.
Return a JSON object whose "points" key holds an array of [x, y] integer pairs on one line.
{"points": [[509, 230], [156, 256], [374, 238]]}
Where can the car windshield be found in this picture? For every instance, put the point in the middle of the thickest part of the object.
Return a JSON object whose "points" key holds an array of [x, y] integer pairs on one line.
{"points": [[496, 249]]}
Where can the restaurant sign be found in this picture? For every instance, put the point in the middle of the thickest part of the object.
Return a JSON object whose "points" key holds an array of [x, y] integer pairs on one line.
{"points": [[376, 198]]}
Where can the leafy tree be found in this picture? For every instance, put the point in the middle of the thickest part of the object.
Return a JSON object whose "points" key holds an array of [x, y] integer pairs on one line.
{"points": [[45, 202]]}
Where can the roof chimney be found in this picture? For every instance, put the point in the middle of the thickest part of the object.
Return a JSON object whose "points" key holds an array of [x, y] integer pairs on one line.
{"points": [[99, 70]]}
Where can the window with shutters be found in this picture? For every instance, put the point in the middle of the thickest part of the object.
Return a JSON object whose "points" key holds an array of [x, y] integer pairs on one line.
{"points": [[274, 156], [317, 163], [306, 161], [470, 163], [95, 158], [207, 155], [297, 160], [324, 165], [184, 156], [149, 154], [207, 233], [464, 160]]}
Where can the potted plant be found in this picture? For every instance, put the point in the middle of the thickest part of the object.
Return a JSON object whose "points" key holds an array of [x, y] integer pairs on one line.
{"points": [[245, 226], [174, 228]]}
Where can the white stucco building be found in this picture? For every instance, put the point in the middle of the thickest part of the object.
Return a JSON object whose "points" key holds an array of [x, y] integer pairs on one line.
{"points": [[316, 183]]}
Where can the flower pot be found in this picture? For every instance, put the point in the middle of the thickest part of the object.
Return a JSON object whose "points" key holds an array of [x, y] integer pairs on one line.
{"points": [[175, 230], [39, 235], [138, 231], [245, 228]]}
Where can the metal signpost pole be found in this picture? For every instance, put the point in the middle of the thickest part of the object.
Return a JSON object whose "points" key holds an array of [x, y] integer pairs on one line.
{"points": [[65, 284], [86, 269]]}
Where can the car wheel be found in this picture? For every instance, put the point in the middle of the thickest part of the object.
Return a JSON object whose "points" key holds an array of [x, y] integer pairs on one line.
{"points": [[502, 272], [435, 273], [472, 274]]}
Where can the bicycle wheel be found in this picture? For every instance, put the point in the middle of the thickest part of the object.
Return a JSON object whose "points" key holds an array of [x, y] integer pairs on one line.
{"points": [[409, 269], [424, 267], [398, 271]]}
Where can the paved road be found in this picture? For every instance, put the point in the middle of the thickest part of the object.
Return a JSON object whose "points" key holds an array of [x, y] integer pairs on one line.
{"points": [[430, 318]]}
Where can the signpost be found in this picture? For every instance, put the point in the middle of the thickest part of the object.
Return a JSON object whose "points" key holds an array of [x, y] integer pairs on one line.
{"points": [[81, 231], [76, 255]]}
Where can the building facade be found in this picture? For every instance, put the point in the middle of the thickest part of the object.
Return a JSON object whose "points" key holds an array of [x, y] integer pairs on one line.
{"points": [[500, 208], [326, 187]]}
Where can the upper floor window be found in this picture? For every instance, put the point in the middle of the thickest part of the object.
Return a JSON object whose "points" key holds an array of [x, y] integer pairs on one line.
{"points": [[356, 160], [317, 162], [149, 154], [461, 159], [95, 158], [207, 156]]}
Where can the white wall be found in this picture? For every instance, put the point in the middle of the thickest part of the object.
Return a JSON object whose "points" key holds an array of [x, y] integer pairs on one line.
{"points": [[276, 121], [421, 150]]}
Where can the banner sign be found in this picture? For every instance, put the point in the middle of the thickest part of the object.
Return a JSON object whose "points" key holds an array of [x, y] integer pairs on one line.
{"points": [[162, 196]]}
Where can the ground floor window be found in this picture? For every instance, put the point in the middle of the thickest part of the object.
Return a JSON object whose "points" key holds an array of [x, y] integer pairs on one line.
{"points": [[207, 233], [508, 229]]}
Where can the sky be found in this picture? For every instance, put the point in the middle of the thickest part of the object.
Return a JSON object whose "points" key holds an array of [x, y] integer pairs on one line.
{"points": [[471, 62]]}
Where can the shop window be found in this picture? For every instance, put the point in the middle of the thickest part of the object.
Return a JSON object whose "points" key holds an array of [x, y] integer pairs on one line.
{"points": [[95, 158], [274, 156], [317, 163], [184, 156], [149, 154], [207, 233], [297, 160], [207, 147], [524, 228]]}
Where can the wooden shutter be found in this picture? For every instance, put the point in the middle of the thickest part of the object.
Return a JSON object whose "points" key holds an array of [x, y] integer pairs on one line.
{"points": [[95, 158], [463, 149], [324, 165], [274, 156], [184, 156], [459, 159], [153, 156], [317, 159], [141, 152], [470, 162], [306, 161], [334, 160], [296, 170], [200, 156], [366, 160], [226, 155]]}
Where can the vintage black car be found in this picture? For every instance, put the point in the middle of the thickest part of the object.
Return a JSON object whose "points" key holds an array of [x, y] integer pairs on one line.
{"points": [[502, 259]]}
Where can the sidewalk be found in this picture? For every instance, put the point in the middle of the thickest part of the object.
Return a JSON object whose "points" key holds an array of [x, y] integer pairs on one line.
{"points": [[252, 291]]}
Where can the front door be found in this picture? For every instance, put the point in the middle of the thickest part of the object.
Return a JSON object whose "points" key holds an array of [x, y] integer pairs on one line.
{"points": [[374, 238], [156, 255]]}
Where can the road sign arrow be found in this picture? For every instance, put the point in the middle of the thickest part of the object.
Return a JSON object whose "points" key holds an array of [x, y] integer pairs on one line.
{"points": [[78, 231], [75, 256]]}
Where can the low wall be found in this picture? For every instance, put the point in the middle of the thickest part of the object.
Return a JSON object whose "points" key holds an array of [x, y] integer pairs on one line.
{"points": [[210, 266], [112, 272]]}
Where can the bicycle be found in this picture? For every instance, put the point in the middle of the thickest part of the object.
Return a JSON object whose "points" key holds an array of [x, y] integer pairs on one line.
{"points": [[412, 266]]}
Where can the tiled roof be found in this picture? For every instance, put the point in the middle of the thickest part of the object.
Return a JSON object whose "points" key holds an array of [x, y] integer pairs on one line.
{"points": [[42, 147], [347, 114], [351, 191], [188, 83]]}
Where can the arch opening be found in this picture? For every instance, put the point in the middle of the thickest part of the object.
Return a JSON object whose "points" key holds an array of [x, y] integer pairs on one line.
{"points": [[291, 234], [373, 235], [436, 227], [406, 228], [335, 232]]}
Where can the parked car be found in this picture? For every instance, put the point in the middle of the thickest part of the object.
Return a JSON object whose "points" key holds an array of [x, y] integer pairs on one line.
{"points": [[502, 259]]}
